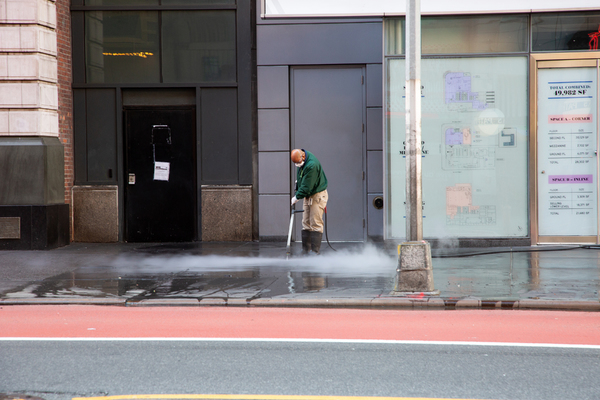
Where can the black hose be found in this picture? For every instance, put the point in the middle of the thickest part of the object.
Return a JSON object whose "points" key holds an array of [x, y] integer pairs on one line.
{"points": [[326, 235], [536, 250]]}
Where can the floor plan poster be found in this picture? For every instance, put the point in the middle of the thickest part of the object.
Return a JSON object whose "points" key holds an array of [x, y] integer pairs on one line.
{"points": [[474, 133], [461, 211], [567, 169]]}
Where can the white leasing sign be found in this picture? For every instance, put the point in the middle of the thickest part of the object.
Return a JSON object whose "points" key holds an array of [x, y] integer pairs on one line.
{"points": [[335, 8], [567, 112]]}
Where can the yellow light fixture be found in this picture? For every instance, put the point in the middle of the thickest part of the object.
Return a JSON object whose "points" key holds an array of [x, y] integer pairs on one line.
{"points": [[142, 54]]}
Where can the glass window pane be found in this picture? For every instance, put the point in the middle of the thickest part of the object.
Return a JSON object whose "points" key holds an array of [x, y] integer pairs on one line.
{"points": [[394, 37], [121, 2], [122, 47], [197, 2], [559, 32], [480, 34], [199, 46], [475, 147]]}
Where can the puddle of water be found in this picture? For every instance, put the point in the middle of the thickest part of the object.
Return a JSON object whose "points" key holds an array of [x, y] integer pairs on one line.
{"points": [[143, 276], [349, 272]]}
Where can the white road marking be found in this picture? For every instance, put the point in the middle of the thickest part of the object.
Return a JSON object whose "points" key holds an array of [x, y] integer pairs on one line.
{"points": [[295, 340]]}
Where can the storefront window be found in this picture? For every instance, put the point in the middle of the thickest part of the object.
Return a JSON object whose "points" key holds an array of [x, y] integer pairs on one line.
{"points": [[196, 2], [394, 37], [462, 35], [199, 46], [156, 2], [121, 2], [562, 31], [475, 146], [474, 34], [122, 47]]}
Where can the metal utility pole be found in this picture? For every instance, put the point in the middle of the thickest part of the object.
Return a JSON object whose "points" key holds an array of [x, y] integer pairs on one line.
{"points": [[414, 198], [414, 272]]}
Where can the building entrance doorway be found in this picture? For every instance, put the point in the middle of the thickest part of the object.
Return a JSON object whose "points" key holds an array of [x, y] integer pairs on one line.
{"points": [[327, 119], [565, 144], [160, 190]]}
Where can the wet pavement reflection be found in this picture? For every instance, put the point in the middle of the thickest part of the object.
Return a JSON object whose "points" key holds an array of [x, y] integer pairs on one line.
{"points": [[247, 271]]}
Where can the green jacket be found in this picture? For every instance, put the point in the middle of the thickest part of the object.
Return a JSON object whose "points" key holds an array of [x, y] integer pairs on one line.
{"points": [[310, 177]]}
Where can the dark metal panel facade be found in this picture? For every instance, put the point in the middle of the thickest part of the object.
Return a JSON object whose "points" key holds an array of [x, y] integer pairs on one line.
{"points": [[273, 87], [375, 171], [78, 44], [219, 121], [101, 135], [80, 136], [374, 85], [375, 128], [226, 119], [246, 65], [319, 44]]}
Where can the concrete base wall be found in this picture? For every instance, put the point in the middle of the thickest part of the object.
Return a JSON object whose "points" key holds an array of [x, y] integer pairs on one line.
{"points": [[95, 214], [34, 227], [226, 213], [31, 171]]}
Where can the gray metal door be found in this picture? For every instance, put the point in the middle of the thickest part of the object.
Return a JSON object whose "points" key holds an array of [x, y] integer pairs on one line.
{"points": [[327, 119]]}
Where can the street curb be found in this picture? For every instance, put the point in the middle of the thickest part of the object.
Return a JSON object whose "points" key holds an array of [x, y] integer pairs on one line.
{"points": [[163, 303], [559, 305], [389, 303], [64, 301], [418, 303], [312, 303], [214, 302]]}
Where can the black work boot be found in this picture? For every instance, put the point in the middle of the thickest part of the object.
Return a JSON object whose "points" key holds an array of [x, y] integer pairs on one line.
{"points": [[305, 242], [315, 241]]}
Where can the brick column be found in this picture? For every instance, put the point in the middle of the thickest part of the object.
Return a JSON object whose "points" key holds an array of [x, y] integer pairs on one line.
{"points": [[65, 94]]}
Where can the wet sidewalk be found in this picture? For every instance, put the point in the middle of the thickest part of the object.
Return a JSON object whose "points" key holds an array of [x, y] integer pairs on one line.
{"points": [[258, 274]]}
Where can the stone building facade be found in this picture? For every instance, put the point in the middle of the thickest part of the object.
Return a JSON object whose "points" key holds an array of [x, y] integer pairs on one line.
{"points": [[35, 127]]}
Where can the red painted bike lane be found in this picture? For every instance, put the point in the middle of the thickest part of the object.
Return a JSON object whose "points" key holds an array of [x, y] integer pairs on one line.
{"points": [[515, 326]]}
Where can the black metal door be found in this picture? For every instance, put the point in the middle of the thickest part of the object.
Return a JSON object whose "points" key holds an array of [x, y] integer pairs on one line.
{"points": [[160, 195]]}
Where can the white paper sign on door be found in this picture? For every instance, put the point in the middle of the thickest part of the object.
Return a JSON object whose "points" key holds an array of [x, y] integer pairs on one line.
{"points": [[161, 171]]}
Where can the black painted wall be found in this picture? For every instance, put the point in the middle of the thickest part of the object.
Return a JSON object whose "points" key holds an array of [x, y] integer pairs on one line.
{"points": [[225, 123]]}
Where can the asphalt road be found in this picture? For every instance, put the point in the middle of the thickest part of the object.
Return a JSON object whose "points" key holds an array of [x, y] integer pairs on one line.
{"points": [[73, 352], [67, 369]]}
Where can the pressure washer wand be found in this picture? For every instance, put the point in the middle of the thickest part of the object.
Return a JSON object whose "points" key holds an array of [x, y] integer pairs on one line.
{"points": [[288, 248]]}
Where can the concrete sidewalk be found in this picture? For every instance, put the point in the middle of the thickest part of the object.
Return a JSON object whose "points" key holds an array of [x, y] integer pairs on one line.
{"points": [[258, 274]]}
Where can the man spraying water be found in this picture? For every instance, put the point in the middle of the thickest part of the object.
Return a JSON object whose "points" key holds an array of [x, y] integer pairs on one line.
{"points": [[311, 185]]}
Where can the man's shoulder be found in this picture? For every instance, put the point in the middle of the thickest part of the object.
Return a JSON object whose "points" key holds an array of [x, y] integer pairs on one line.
{"points": [[311, 159]]}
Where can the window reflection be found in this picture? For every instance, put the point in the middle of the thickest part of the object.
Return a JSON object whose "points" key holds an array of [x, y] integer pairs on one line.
{"points": [[481, 34], [199, 46], [561, 31], [122, 46], [462, 35], [121, 2], [196, 2], [394, 37]]}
